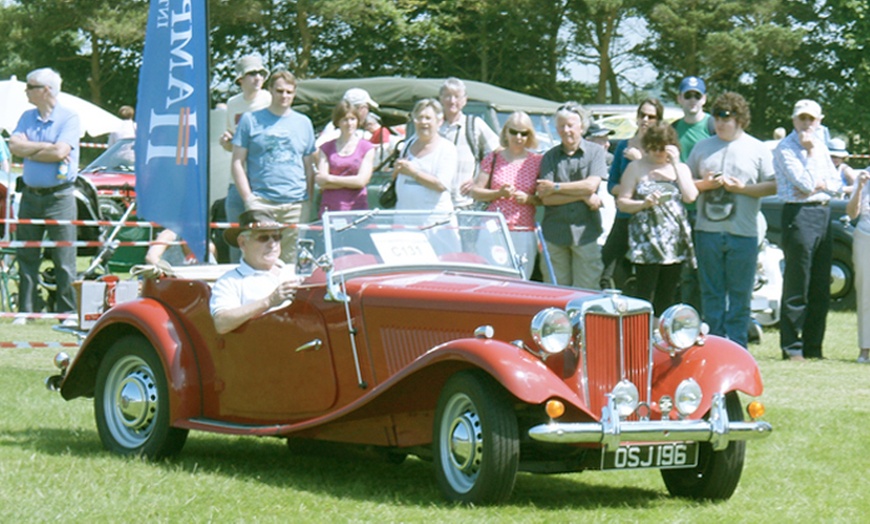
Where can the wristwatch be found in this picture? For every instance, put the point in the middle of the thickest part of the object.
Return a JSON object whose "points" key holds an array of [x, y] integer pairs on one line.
{"points": [[557, 187]]}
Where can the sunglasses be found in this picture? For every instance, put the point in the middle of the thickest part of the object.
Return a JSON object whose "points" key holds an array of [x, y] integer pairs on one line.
{"points": [[572, 108], [256, 73], [723, 114], [644, 116], [265, 237], [692, 95], [516, 132], [31, 87]]}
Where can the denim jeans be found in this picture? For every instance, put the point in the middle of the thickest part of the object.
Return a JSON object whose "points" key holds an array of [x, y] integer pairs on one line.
{"points": [[726, 270]]}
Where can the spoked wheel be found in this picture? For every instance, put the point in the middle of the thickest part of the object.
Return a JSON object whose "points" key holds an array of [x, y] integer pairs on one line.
{"points": [[475, 443], [131, 402], [718, 472]]}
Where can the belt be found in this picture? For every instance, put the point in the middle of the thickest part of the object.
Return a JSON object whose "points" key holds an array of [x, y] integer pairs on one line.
{"points": [[43, 191]]}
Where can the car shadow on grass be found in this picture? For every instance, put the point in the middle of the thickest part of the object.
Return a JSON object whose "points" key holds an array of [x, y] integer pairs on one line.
{"points": [[366, 474]]}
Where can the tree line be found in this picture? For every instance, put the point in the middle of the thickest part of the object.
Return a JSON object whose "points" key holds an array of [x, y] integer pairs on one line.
{"points": [[773, 52]]}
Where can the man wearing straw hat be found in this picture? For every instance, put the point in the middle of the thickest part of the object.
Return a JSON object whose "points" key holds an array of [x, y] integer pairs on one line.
{"points": [[259, 283]]}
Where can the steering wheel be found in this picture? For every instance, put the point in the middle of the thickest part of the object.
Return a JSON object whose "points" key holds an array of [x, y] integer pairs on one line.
{"points": [[345, 251]]}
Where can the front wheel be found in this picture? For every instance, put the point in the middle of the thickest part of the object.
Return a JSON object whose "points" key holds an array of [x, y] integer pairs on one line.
{"points": [[131, 402], [475, 443], [718, 472]]}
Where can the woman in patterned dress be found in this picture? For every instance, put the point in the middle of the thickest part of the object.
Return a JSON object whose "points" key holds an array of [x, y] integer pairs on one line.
{"points": [[653, 190], [506, 180]]}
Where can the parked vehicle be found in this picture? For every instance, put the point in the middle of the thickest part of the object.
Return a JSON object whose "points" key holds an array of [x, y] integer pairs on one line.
{"points": [[113, 173], [416, 334], [842, 269]]}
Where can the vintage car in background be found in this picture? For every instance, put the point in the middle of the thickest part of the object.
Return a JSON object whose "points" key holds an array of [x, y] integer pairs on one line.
{"points": [[842, 267], [417, 334], [113, 173]]}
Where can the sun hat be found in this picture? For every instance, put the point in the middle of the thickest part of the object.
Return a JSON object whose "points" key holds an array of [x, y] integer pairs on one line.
{"points": [[597, 130], [252, 220], [356, 96], [837, 148], [249, 63]]}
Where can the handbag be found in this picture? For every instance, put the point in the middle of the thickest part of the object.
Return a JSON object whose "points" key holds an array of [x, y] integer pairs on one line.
{"points": [[387, 197]]}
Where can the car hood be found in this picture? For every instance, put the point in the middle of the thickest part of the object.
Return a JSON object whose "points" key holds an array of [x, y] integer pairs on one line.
{"points": [[453, 304]]}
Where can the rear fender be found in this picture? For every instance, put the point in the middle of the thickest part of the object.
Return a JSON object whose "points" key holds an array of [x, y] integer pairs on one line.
{"points": [[718, 366], [149, 319]]}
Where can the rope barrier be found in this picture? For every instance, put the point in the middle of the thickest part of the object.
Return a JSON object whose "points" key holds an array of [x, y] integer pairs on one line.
{"points": [[37, 345], [57, 316]]}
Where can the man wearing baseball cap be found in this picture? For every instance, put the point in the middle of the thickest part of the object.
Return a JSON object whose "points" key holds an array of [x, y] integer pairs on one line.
{"points": [[694, 126], [805, 175], [361, 102]]}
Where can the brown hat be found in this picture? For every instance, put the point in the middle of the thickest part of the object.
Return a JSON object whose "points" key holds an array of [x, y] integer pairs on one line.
{"points": [[252, 220]]}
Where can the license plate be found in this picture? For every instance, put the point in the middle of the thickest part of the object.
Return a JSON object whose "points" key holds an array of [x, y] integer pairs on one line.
{"points": [[662, 456]]}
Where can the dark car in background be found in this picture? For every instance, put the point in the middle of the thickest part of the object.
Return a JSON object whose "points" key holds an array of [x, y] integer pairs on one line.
{"points": [[842, 268]]}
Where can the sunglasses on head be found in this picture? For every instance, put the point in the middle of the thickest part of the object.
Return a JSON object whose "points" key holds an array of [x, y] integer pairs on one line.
{"points": [[572, 108], [692, 95], [516, 132]]}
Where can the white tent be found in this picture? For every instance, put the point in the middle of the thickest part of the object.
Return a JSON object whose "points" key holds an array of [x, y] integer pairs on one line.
{"points": [[13, 102]]}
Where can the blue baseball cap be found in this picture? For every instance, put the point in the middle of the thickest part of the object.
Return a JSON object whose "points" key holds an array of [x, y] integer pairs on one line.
{"points": [[693, 83]]}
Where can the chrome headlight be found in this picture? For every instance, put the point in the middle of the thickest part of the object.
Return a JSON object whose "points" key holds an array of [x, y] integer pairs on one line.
{"points": [[551, 330], [688, 397], [625, 396], [680, 327]]}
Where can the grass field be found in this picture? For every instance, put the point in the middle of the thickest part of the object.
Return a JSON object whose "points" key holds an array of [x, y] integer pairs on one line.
{"points": [[814, 467]]}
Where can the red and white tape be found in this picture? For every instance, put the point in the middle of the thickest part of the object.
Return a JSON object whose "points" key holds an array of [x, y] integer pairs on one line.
{"points": [[37, 345], [57, 316]]}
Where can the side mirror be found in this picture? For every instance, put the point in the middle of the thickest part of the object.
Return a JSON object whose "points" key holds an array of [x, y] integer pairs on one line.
{"points": [[304, 256]]}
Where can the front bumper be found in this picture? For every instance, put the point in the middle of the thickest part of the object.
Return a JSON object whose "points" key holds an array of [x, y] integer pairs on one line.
{"points": [[611, 431]]}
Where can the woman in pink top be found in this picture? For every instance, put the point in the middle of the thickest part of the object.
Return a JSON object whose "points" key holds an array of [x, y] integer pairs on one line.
{"points": [[507, 181], [345, 165]]}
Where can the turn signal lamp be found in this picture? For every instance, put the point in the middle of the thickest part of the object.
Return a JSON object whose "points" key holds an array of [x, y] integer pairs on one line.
{"points": [[555, 408], [755, 409]]}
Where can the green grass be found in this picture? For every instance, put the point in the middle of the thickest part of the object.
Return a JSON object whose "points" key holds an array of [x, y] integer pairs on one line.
{"points": [[52, 467]]}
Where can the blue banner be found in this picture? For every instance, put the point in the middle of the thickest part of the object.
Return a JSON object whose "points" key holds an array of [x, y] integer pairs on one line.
{"points": [[172, 121]]}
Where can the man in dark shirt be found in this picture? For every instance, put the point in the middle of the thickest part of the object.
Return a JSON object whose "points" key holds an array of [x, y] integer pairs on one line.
{"points": [[567, 185]]}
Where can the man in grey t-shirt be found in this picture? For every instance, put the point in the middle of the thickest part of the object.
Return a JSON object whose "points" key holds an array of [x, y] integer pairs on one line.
{"points": [[732, 171]]}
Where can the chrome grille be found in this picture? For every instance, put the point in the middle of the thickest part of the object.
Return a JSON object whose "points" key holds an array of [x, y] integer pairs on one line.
{"points": [[615, 345]]}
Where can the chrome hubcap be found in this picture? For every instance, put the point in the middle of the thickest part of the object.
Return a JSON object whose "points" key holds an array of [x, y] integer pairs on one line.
{"points": [[135, 396], [466, 447]]}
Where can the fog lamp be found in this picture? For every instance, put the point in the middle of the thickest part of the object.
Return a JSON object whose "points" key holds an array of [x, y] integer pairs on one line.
{"points": [[625, 396], [688, 397]]}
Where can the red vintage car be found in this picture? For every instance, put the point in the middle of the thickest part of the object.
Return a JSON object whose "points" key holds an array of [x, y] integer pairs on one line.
{"points": [[417, 333]]}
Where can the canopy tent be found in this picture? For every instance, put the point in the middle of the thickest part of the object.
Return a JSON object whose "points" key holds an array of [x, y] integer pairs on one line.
{"points": [[95, 120]]}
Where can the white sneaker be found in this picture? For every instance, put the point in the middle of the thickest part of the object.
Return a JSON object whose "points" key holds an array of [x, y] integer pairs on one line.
{"points": [[863, 360], [70, 322], [19, 321]]}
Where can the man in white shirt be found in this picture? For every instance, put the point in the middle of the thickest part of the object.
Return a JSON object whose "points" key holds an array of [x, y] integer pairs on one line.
{"points": [[259, 283], [472, 137]]}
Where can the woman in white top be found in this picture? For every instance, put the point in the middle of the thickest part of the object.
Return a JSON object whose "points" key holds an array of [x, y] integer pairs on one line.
{"points": [[859, 206], [424, 175]]}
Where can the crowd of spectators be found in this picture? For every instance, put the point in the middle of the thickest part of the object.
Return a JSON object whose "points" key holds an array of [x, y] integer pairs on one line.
{"points": [[687, 194]]}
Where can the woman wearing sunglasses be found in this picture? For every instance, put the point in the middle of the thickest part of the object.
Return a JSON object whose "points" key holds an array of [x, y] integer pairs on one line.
{"points": [[652, 191], [507, 179]]}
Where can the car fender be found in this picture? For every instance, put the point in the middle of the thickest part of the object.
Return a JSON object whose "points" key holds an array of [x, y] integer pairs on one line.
{"points": [[164, 331], [718, 366]]}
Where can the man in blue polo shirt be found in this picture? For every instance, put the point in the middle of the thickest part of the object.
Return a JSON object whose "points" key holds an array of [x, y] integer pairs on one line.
{"points": [[47, 138]]}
